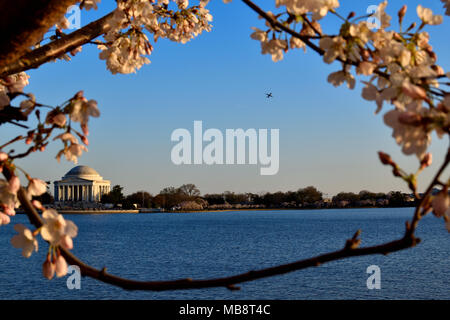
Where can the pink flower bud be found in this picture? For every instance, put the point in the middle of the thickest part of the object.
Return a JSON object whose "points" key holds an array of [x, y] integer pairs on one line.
{"points": [[61, 267], [385, 158], [85, 129], [79, 94], [85, 140], [67, 242], [9, 211], [402, 12], [14, 184], [414, 91], [3, 156], [440, 203], [4, 219], [426, 161], [37, 204], [48, 268], [410, 118]]}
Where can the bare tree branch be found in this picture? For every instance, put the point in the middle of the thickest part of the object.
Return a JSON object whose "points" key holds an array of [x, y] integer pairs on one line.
{"points": [[26, 22], [58, 47]]}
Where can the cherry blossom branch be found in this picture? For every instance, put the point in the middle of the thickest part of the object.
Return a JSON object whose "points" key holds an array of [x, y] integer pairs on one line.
{"points": [[58, 47], [417, 213], [276, 24]]}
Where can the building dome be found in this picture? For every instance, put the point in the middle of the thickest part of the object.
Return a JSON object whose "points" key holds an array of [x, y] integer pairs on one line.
{"points": [[81, 185], [83, 172]]}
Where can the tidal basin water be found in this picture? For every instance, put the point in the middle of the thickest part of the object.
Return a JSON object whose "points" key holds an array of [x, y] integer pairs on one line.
{"points": [[206, 245]]}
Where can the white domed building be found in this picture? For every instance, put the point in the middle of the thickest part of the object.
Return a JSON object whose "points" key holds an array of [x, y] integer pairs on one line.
{"points": [[81, 184]]}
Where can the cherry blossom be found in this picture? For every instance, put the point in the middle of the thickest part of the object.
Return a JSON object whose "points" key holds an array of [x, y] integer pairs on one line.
{"points": [[24, 240], [36, 187], [7, 197], [16, 82], [48, 268], [60, 266], [127, 45], [275, 48], [407, 129], [319, 8], [3, 156], [441, 206], [56, 228], [71, 152], [4, 219], [89, 4], [66, 136], [82, 109], [28, 105], [427, 17], [14, 184], [339, 77], [372, 93], [334, 48], [56, 117]]}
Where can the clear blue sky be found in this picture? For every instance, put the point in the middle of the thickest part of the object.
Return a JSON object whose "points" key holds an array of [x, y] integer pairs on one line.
{"points": [[329, 137]]}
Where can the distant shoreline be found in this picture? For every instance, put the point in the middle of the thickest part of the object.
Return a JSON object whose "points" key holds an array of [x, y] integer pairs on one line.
{"points": [[204, 211]]}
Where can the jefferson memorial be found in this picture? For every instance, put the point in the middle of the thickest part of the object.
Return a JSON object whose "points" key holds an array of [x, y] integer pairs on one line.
{"points": [[81, 184]]}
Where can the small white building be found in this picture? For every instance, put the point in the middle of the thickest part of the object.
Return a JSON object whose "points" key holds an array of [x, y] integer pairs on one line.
{"points": [[81, 184]]}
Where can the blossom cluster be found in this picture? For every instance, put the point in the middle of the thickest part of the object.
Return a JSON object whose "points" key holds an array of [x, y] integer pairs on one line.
{"points": [[55, 229], [76, 109], [126, 42]]}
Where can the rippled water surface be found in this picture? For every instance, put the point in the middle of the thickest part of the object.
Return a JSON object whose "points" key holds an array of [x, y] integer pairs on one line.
{"points": [[206, 245]]}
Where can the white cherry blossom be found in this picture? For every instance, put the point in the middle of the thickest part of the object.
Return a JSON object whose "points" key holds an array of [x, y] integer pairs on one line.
{"points": [[441, 204], [334, 48], [24, 240], [36, 187], [427, 16], [339, 77], [319, 8], [4, 219], [407, 130], [56, 228]]}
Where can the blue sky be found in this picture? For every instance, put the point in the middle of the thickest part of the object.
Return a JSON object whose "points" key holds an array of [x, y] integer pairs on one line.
{"points": [[329, 137]]}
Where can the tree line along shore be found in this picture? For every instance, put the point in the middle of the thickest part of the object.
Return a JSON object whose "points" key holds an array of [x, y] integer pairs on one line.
{"points": [[188, 198]]}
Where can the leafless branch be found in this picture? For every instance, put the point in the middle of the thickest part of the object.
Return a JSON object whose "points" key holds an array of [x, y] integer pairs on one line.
{"points": [[58, 47]]}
